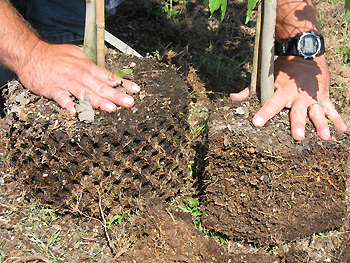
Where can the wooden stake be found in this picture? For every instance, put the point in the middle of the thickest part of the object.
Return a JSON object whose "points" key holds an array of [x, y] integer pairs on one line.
{"points": [[256, 59], [90, 48], [267, 50], [100, 27]]}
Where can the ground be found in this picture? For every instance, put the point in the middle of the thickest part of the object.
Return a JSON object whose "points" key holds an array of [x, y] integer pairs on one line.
{"points": [[183, 176]]}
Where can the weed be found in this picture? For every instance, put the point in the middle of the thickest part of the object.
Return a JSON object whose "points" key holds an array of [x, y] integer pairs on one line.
{"points": [[93, 255], [198, 129], [2, 253], [169, 10], [201, 113], [192, 207], [218, 66], [157, 55], [345, 49], [321, 20], [3, 160], [117, 219]]}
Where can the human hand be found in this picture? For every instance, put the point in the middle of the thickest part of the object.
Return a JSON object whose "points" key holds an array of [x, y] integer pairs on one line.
{"points": [[59, 71], [300, 83]]}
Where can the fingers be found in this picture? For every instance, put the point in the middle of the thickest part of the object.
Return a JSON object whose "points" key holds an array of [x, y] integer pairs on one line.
{"points": [[317, 116], [62, 97], [101, 92], [272, 107], [97, 75], [298, 116], [334, 116], [241, 95], [317, 113]]}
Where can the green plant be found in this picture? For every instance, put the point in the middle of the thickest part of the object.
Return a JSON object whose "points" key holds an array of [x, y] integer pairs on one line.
{"points": [[215, 5], [347, 8], [3, 159], [346, 53], [2, 253], [222, 4], [192, 207], [121, 73], [198, 129], [117, 219], [169, 10]]}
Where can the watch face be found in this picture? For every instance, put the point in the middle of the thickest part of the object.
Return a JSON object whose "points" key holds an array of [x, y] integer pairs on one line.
{"points": [[309, 45]]}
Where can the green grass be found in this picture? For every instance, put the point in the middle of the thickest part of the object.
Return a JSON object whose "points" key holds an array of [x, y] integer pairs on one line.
{"points": [[192, 206], [345, 49]]}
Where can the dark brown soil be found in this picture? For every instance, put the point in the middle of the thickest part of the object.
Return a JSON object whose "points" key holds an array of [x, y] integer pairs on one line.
{"points": [[271, 198], [262, 186], [120, 159]]}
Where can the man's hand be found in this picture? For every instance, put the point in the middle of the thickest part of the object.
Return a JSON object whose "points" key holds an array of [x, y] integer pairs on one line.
{"points": [[299, 84], [57, 71], [60, 71]]}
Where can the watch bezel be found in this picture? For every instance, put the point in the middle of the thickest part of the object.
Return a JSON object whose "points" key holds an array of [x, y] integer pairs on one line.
{"points": [[300, 41]]}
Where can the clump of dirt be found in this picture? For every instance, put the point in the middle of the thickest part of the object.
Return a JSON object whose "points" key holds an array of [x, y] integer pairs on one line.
{"points": [[115, 162], [166, 234], [264, 187]]}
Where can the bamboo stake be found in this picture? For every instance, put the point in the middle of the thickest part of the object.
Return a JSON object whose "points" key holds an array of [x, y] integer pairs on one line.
{"points": [[267, 50], [90, 48], [256, 59], [100, 27]]}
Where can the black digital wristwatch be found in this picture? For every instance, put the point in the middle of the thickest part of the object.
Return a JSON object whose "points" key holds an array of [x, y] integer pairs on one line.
{"points": [[308, 45]]}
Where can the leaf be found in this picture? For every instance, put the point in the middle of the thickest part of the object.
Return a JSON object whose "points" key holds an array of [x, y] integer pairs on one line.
{"points": [[347, 7], [193, 202], [85, 110], [197, 214], [251, 6], [115, 218], [121, 73], [223, 10], [329, 121], [183, 208], [215, 5]]}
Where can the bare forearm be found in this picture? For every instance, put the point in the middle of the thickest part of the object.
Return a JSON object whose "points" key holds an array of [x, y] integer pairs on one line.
{"points": [[17, 39], [295, 17]]}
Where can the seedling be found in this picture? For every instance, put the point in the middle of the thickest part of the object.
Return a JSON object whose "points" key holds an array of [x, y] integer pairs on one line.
{"points": [[198, 130], [121, 73], [117, 219], [192, 207], [170, 12]]}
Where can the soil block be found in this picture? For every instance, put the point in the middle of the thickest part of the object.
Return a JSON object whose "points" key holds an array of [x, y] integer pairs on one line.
{"points": [[263, 187], [112, 163]]}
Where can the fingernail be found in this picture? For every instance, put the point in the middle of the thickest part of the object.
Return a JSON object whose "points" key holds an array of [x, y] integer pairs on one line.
{"points": [[344, 127], [72, 111], [135, 87], [111, 107], [300, 133], [258, 121], [129, 100], [326, 133]]}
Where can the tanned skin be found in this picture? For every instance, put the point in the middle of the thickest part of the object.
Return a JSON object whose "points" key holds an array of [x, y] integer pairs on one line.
{"points": [[299, 83], [57, 71]]}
